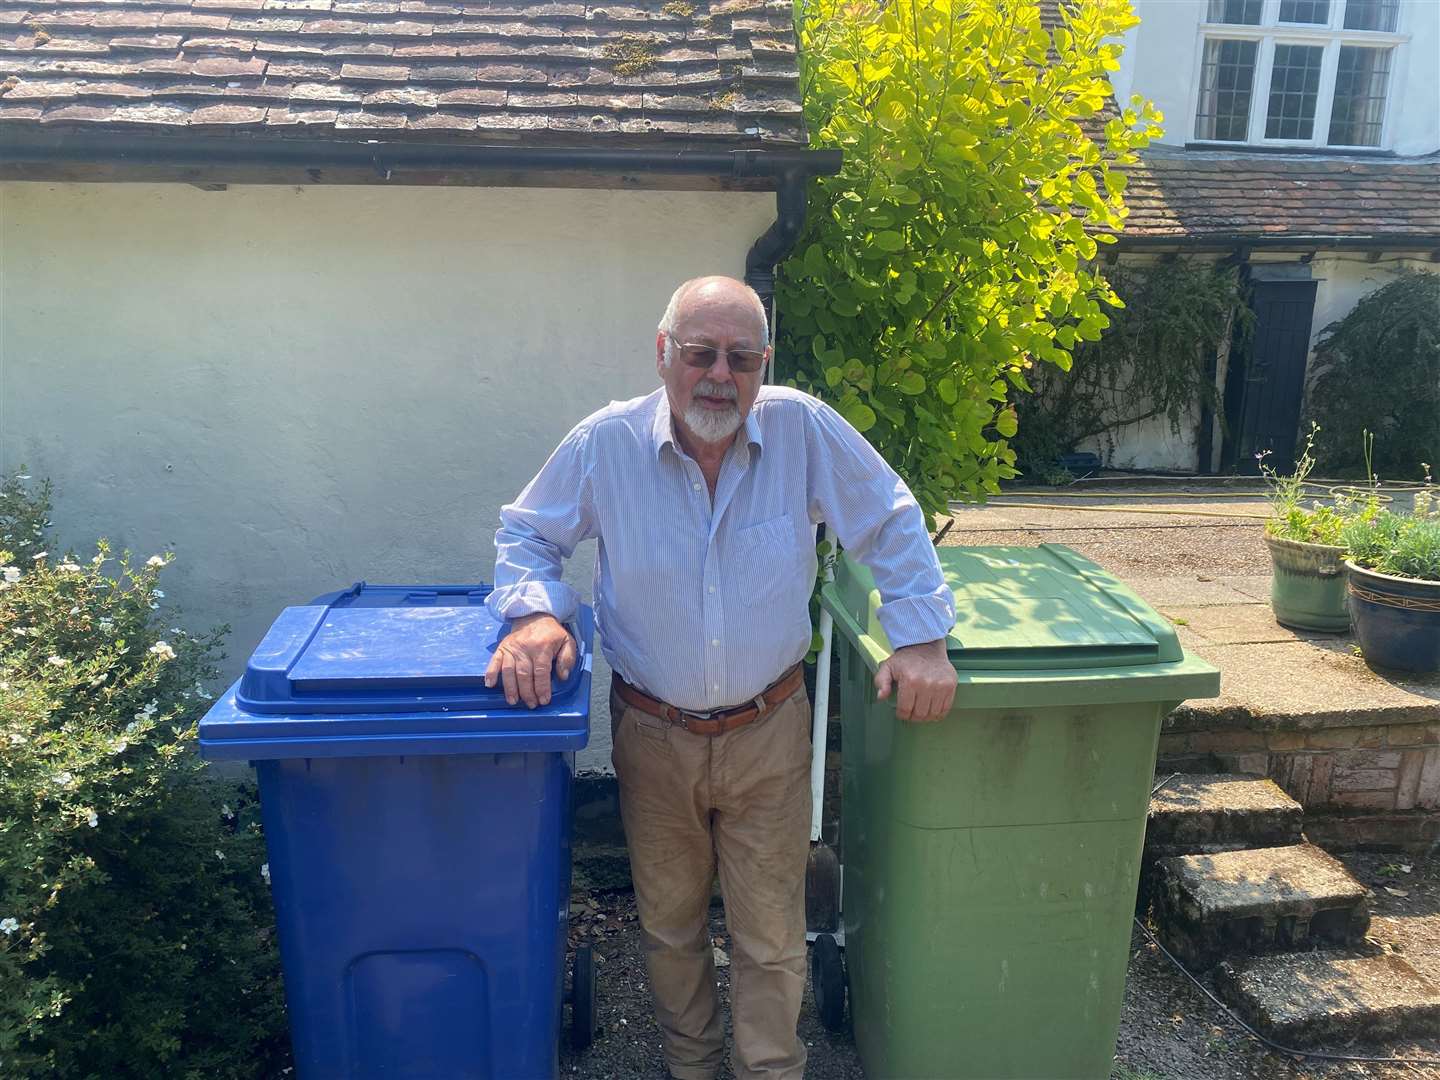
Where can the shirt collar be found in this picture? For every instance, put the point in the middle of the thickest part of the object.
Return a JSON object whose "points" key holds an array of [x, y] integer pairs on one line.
{"points": [[663, 429]]}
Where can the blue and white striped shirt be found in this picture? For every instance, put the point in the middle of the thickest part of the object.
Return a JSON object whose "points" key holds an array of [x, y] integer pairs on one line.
{"points": [[703, 605]]}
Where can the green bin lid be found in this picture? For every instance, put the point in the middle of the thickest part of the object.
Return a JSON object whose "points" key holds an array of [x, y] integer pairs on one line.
{"points": [[1031, 615]]}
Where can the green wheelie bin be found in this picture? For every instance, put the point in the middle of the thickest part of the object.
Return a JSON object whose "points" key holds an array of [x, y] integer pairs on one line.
{"points": [[991, 859]]}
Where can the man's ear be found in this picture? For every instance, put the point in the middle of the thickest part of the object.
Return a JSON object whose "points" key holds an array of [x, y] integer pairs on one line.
{"points": [[660, 352]]}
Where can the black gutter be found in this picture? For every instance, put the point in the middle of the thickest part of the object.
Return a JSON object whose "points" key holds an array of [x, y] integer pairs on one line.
{"points": [[20, 146], [1228, 241], [776, 242]]}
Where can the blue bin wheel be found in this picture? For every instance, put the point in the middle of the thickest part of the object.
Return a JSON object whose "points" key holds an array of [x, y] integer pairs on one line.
{"points": [[584, 1008], [827, 979]]}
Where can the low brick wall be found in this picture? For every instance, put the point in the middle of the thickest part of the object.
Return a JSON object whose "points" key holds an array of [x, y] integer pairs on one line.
{"points": [[1362, 785]]}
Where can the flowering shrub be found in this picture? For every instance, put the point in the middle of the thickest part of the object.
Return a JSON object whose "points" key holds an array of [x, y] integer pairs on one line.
{"points": [[1320, 522], [1405, 545], [135, 925]]}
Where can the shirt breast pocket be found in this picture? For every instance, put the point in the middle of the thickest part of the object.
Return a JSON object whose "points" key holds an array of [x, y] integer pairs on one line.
{"points": [[769, 561]]}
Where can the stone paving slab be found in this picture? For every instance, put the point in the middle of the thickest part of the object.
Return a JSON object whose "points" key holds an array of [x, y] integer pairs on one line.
{"points": [[1257, 900], [1187, 591], [1243, 623], [1304, 685], [1299, 1000], [1196, 813]]}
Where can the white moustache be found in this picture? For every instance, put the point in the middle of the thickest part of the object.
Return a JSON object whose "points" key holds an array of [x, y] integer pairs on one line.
{"points": [[708, 388]]}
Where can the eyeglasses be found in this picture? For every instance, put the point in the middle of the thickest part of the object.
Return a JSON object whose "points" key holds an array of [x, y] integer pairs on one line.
{"points": [[704, 356]]}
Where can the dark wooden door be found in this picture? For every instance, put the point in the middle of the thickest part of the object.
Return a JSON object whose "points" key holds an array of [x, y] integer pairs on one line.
{"points": [[1264, 389]]}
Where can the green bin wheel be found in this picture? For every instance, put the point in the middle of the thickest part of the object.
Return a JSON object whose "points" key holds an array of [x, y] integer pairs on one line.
{"points": [[827, 978], [584, 1013]]}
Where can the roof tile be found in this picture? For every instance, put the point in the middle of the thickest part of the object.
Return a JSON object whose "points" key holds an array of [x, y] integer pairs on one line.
{"points": [[466, 66]]}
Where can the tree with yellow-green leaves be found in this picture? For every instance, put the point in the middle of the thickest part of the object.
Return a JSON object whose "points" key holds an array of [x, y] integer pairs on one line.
{"points": [[956, 248]]}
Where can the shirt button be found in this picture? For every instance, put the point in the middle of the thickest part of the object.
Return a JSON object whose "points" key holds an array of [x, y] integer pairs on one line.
{"points": [[716, 687], [710, 589], [715, 642], [695, 486]]}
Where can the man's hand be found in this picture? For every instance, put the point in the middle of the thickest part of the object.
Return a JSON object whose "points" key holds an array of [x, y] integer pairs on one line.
{"points": [[926, 679], [523, 658]]}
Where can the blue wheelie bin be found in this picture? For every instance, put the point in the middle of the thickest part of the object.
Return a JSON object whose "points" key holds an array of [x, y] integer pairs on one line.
{"points": [[418, 831]]}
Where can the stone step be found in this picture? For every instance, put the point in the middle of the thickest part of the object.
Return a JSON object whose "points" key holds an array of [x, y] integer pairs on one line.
{"points": [[1210, 812], [1232, 903], [1305, 999]]}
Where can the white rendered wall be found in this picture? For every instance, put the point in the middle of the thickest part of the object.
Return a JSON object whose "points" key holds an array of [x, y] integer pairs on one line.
{"points": [[1162, 58], [296, 388]]}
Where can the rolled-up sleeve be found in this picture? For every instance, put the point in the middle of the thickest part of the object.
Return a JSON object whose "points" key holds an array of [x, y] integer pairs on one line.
{"points": [[538, 531], [876, 518]]}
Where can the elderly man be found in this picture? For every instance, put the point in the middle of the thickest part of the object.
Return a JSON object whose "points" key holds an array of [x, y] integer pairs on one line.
{"points": [[703, 496]]}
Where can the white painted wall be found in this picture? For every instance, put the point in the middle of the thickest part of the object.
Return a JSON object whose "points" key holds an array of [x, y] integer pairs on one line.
{"points": [[1162, 57], [295, 388]]}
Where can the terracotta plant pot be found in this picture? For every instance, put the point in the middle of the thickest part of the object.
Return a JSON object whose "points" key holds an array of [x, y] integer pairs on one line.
{"points": [[1307, 588], [1397, 619]]}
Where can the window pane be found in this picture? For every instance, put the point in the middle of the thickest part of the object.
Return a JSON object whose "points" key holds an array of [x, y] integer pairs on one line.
{"points": [[1359, 107], [1371, 15], [1305, 11], [1241, 12], [1227, 77], [1294, 86]]}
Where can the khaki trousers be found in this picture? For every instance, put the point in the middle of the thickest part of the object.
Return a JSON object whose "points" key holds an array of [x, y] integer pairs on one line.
{"points": [[739, 802]]}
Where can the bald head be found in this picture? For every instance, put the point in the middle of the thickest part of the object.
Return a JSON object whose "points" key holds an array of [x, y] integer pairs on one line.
{"points": [[715, 296]]}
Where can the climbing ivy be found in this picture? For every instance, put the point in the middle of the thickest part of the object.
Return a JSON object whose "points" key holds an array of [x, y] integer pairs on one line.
{"points": [[954, 251], [1153, 362]]}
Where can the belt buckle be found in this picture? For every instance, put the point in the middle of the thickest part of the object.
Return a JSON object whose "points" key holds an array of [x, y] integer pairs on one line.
{"points": [[686, 714]]}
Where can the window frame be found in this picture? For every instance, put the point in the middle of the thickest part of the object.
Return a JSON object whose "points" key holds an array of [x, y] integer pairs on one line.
{"points": [[1331, 36]]}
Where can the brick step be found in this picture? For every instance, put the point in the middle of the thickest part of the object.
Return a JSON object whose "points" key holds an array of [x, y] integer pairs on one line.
{"points": [[1233, 903], [1210, 812], [1304, 999]]}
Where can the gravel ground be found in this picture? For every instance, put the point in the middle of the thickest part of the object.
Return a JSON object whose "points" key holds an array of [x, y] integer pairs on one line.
{"points": [[1168, 1029]]}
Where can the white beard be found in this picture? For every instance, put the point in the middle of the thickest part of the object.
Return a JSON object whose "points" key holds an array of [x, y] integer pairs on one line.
{"points": [[713, 425]]}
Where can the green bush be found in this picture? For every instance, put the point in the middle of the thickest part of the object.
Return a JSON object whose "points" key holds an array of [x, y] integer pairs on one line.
{"points": [[1320, 522], [135, 924], [1378, 369], [956, 250]]}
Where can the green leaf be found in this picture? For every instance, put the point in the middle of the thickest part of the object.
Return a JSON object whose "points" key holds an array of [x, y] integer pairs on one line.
{"points": [[1006, 423], [912, 382], [861, 416], [833, 377], [946, 389], [889, 240]]}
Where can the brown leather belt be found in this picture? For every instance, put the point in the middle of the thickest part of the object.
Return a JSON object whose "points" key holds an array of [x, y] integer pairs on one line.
{"points": [[715, 723]]}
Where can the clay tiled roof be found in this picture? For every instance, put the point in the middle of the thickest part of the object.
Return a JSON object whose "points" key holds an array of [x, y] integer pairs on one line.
{"points": [[1194, 195], [712, 71]]}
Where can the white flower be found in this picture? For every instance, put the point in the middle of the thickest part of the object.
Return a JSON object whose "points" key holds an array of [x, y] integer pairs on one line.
{"points": [[220, 854], [64, 779], [69, 567], [120, 747], [17, 739], [75, 610], [100, 678], [20, 631], [131, 727], [154, 607], [107, 624], [226, 812], [155, 560], [201, 692], [157, 594], [265, 872], [8, 926], [39, 555], [12, 573], [57, 661], [92, 819], [97, 560], [4, 584], [162, 649]]}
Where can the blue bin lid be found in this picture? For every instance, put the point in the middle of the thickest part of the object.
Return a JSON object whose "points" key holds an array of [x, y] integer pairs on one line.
{"points": [[374, 662]]}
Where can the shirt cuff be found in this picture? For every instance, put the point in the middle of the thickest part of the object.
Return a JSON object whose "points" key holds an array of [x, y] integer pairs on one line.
{"points": [[532, 598], [913, 620]]}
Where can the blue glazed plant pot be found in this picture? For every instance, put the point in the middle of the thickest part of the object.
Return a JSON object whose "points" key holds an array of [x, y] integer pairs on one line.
{"points": [[1396, 619]]}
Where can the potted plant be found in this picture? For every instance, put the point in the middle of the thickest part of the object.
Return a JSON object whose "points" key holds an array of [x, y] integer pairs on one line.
{"points": [[1307, 587], [1393, 574]]}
